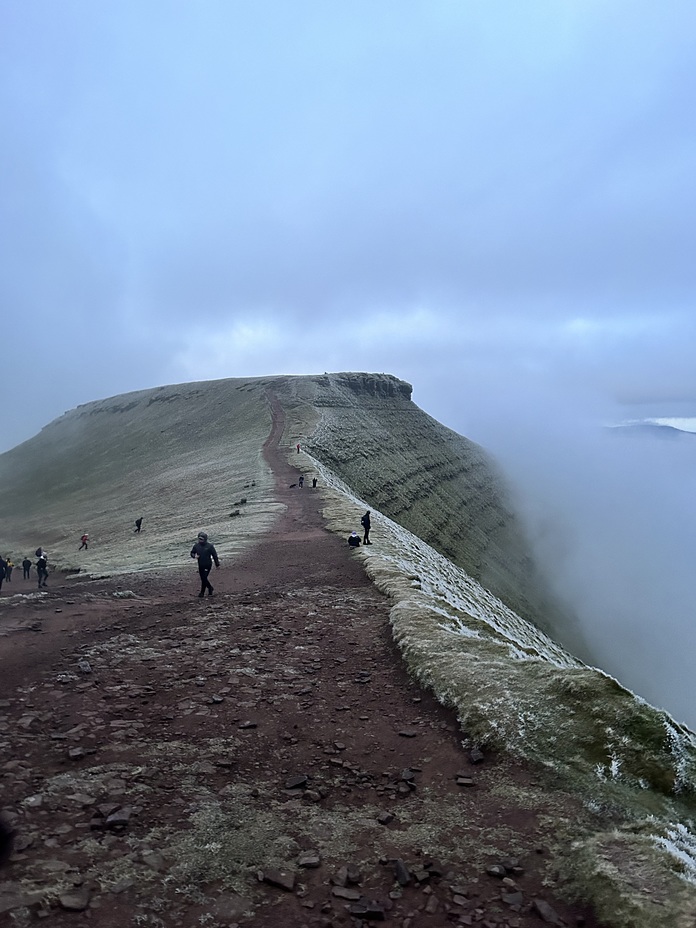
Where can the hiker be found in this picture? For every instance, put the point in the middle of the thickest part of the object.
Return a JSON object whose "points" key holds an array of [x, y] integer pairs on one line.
{"points": [[85, 542], [301, 481], [3, 569], [205, 553], [42, 568], [298, 447], [9, 567], [138, 525], [365, 522], [26, 567], [354, 540], [314, 483]]}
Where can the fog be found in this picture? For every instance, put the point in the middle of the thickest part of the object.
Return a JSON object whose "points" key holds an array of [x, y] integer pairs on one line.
{"points": [[612, 515]]}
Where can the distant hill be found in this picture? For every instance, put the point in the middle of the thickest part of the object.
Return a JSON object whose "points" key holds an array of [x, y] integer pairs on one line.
{"points": [[650, 430], [182, 456]]}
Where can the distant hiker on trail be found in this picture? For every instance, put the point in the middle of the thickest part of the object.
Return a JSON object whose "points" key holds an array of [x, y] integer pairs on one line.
{"points": [[42, 568], [301, 481], [138, 525], [298, 447], [9, 567], [205, 553], [85, 542], [354, 540], [314, 483], [26, 567], [3, 570], [365, 522]]}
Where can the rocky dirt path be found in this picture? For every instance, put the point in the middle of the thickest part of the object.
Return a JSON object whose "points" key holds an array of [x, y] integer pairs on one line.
{"points": [[259, 758]]}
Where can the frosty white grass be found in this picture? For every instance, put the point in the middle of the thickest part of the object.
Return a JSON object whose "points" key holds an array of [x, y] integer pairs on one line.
{"points": [[516, 690]]}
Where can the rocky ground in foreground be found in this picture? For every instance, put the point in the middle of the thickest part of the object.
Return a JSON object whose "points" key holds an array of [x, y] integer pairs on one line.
{"points": [[257, 758]]}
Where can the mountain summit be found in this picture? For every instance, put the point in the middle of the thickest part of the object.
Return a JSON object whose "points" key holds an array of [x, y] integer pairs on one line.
{"points": [[468, 608]]}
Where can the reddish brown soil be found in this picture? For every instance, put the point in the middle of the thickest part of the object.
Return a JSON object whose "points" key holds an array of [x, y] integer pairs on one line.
{"points": [[341, 711]]}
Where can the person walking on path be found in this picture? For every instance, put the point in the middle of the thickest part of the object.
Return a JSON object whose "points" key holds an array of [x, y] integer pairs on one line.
{"points": [[3, 570], [42, 569], [301, 481], [138, 525], [85, 542], [9, 567], [205, 554], [365, 522], [26, 567], [298, 447], [314, 483]]}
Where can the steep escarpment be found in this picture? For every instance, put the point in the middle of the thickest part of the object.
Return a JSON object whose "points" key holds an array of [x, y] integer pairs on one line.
{"points": [[436, 483], [183, 456]]}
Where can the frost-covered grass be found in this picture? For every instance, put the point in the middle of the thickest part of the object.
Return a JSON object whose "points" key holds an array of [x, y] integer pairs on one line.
{"points": [[631, 765]]}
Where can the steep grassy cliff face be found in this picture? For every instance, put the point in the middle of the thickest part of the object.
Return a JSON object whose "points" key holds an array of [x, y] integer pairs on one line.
{"points": [[180, 456], [436, 483]]}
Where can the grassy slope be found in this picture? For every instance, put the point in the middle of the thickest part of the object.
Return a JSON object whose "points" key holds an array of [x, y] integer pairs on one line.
{"points": [[180, 456], [436, 483]]}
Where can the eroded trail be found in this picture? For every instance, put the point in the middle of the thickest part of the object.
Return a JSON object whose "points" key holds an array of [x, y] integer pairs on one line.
{"points": [[160, 753]]}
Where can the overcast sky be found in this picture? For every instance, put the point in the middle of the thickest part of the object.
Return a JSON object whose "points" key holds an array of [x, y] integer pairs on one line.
{"points": [[477, 197], [495, 201]]}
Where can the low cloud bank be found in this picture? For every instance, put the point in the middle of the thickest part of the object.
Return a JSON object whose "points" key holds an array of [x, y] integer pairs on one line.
{"points": [[612, 515]]}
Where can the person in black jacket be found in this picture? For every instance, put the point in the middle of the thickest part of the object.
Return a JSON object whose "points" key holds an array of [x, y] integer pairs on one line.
{"points": [[3, 569], [205, 554], [365, 522], [42, 568], [26, 567]]}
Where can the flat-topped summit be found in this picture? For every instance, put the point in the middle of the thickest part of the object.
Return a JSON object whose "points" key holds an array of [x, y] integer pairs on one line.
{"points": [[182, 456]]}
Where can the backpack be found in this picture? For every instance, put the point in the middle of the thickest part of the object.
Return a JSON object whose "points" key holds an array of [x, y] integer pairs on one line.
{"points": [[38, 551], [363, 521]]}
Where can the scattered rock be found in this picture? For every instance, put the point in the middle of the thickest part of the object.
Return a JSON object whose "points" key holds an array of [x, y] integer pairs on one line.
{"points": [[401, 872], [75, 901], [546, 912], [346, 892], [309, 859], [370, 911], [515, 898], [119, 819], [465, 781], [476, 756], [296, 782], [283, 879]]}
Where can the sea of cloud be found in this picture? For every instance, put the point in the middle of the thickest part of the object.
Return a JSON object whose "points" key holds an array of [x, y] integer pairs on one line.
{"points": [[612, 516]]}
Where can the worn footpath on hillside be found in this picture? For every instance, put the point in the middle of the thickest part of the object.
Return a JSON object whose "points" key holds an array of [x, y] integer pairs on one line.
{"points": [[256, 758]]}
